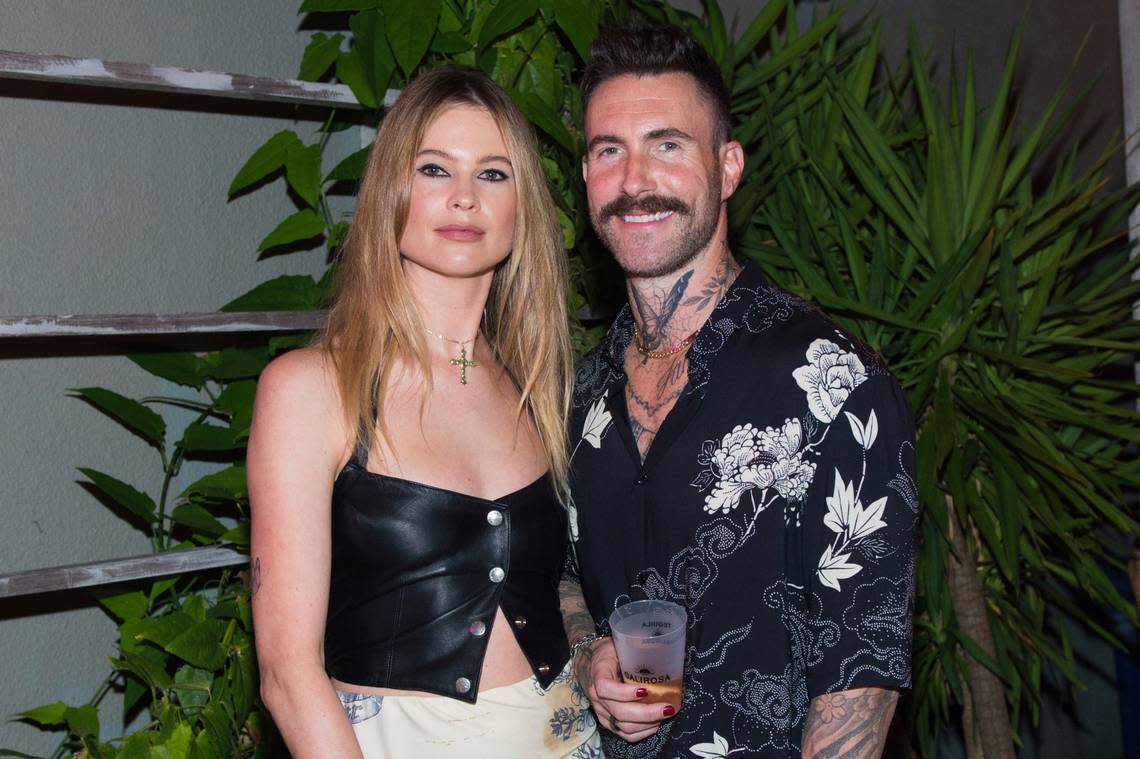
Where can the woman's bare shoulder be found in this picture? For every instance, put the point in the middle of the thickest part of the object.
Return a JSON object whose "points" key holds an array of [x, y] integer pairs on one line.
{"points": [[298, 391], [304, 371]]}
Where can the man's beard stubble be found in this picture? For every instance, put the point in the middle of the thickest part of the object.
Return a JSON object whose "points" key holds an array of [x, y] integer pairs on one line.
{"points": [[692, 239]]}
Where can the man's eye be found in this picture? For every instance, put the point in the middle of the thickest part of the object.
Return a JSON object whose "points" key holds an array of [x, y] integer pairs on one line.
{"points": [[608, 151], [432, 170], [493, 175], [670, 146]]}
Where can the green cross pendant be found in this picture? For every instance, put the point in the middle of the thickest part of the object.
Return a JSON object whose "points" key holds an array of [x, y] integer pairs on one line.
{"points": [[462, 362]]}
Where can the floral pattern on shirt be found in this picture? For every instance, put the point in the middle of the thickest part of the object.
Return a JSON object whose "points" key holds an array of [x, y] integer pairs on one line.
{"points": [[792, 447]]}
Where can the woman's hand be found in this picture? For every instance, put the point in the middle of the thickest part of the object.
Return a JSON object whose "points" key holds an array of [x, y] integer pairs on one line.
{"points": [[619, 706]]}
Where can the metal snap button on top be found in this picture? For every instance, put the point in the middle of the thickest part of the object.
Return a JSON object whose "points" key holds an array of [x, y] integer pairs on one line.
{"points": [[494, 517], [497, 574], [520, 621], [477, 628], [462, 685]]}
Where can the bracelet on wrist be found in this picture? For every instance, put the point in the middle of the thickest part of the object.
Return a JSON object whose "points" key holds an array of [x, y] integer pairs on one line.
{"points": [[583, 642]]}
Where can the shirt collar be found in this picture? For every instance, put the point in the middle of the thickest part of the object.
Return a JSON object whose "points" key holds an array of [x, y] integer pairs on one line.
{"points": [[730, 309]]}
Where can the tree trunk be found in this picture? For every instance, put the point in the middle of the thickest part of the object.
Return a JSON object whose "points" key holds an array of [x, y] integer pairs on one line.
{"points": [[986, 708]]}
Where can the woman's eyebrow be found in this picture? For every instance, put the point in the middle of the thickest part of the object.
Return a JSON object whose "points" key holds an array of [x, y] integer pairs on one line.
{"points": [[444, 154]]}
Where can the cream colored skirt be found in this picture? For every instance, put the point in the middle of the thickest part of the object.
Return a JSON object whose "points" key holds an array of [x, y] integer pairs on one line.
{"points": [[519, 721]]}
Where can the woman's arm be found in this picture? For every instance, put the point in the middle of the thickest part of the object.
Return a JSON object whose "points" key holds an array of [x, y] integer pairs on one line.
{"points": [[296, 443]]}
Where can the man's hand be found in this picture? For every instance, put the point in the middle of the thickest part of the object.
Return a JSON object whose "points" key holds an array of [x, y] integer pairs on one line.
{"points": [[849, 724], [618, 705]]}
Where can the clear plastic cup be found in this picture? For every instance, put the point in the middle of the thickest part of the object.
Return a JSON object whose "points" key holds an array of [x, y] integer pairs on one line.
{"points": [[650, 640]]}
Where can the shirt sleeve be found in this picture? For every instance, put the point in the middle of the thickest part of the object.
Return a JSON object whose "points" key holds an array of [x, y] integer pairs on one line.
{"points": [[858, 531]]}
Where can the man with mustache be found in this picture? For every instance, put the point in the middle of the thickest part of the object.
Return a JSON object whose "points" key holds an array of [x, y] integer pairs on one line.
{"points": [[734, 451]]}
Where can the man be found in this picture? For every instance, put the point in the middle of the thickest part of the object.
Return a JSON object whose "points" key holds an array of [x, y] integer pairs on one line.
{"points": [[734, 451]]}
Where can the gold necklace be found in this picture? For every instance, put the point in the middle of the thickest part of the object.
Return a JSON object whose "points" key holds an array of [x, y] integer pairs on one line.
{"points": [[639, 343], [461, 360]]}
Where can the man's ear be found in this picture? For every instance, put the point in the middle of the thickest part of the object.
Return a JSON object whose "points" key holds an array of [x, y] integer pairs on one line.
{"points": [[585, 170], [731, 167]]}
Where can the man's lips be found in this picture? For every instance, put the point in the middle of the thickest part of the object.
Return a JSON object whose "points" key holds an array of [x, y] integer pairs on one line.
{"points": [[459, 233]]}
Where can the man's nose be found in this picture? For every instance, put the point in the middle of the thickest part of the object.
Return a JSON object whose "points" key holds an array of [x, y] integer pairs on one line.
{"points": [[637, 179]]}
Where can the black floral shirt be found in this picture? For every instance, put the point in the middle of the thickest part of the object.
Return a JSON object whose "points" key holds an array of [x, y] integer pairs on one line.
{"points": [[777, 503]]}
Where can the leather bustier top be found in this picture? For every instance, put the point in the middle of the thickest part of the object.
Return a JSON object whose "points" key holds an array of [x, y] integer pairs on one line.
{"points": [[419, 571]]}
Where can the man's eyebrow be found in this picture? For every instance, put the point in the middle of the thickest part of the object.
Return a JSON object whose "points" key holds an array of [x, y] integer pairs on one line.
{"points": [[604, 139], [669, 132]]}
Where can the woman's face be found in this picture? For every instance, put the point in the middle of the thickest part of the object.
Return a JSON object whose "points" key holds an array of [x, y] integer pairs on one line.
{"points": [[461, 213]]}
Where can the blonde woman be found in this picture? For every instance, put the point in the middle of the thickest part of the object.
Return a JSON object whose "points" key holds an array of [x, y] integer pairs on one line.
{"points": [[406, 472]]}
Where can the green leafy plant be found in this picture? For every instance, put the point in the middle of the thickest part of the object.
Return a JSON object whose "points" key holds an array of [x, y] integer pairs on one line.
{"points": [[996, 282]]}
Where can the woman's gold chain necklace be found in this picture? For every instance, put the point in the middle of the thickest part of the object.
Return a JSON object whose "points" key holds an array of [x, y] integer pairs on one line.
{"points": [[461, 360]]}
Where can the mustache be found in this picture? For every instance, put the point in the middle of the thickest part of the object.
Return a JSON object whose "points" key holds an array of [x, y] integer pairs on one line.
{"points": [[649, 204]]}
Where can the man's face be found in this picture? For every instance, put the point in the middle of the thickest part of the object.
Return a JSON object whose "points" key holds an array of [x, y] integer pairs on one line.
{"points": [[653, 178]]}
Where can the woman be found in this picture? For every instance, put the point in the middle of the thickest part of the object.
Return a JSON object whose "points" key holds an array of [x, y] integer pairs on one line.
{"points": [[418, 615]]}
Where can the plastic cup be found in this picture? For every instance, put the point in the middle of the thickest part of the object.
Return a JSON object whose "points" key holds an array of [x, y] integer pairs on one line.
{"points": [[650, 640]]}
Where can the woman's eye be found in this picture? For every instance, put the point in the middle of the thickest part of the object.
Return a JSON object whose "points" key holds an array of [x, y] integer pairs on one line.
{"points": [[432, 170], [493, 175]]}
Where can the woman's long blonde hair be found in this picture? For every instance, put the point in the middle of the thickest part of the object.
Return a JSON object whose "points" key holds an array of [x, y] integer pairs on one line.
{"points": [[374, 324]]}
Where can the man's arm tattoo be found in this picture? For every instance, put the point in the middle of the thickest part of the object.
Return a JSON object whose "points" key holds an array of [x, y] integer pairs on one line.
{"points": [[849, 724], [578, 623], [575, 616]]}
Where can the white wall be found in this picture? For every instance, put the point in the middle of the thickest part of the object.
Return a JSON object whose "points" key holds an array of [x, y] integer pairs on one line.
{"points": [[109, 207]]}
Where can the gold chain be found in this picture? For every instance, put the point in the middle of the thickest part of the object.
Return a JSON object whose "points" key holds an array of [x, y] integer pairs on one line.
{"points": [[639, 343]]}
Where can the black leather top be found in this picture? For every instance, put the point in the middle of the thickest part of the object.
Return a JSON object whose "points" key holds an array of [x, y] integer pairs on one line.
{"points": [[418, 572]]}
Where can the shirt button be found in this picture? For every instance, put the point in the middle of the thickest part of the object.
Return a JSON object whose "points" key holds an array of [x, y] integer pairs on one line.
{"points": [[642, 478], [496, 574], [543, 668], [477, 628], [462, 685], [494, 517], [520, 621]]}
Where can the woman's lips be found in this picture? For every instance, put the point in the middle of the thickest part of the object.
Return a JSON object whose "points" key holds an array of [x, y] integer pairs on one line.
{"points": [[460, 234]]}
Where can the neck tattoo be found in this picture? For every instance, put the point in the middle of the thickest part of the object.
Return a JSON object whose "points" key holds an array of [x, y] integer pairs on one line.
{"points": [[461, 360]]}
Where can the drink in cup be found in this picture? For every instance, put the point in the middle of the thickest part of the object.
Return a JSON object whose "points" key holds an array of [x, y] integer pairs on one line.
{"points": [[650, 640]]}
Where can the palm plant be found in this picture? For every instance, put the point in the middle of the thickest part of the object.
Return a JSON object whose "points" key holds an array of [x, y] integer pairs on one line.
{"points": [[997, 285]]}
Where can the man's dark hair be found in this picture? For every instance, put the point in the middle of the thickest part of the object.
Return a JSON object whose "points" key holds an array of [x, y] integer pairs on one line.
{"points": [[654, 50]]}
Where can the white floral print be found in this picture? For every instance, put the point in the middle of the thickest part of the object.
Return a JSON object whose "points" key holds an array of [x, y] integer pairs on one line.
{"points": [[598, 420], [753, 459], [847, 517], [829, 377]]}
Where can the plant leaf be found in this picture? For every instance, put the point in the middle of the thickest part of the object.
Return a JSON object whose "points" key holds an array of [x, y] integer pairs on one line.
{"points": [[303, 173], [507, 15], [320, 54], [350, 71], [127, 412], [138, 503], [267, 159], [303, 225], [351, 168], [198, 519], [201, 437], [130, 605], [181, 368], [409, 28], [200, 645], [46, 715], [577, 22], [289, 292]]}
